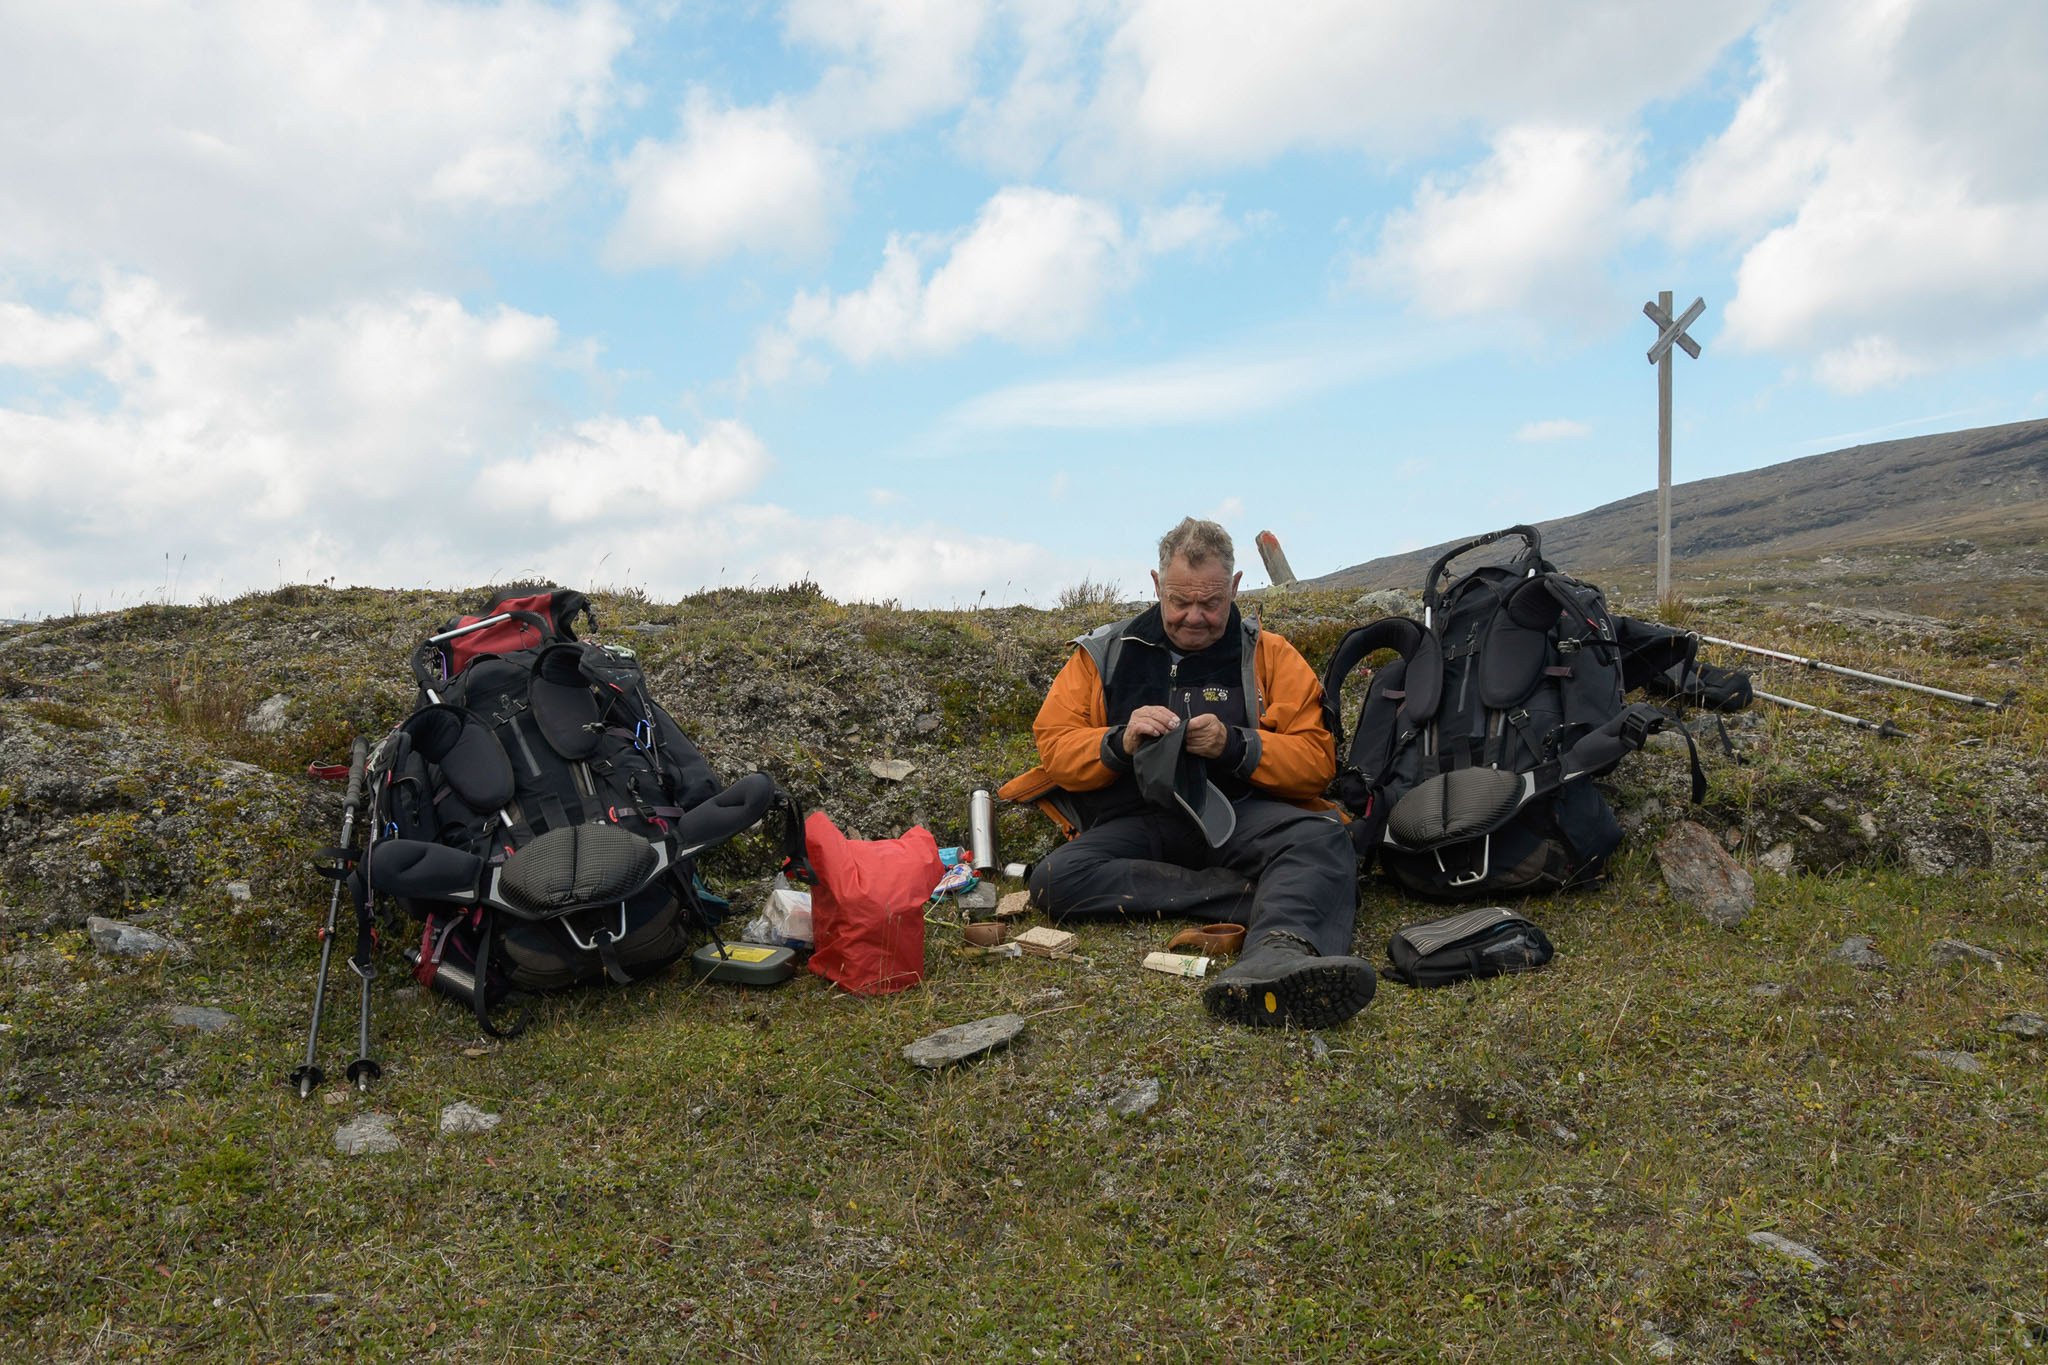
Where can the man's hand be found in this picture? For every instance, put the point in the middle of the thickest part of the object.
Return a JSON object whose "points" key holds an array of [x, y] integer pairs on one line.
{"points": [[1207, 737], [1150, 722]]}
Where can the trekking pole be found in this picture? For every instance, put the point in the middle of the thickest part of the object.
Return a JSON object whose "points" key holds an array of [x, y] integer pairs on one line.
{"points": [[309, 1075], [1804, 662], [1885, 728]]}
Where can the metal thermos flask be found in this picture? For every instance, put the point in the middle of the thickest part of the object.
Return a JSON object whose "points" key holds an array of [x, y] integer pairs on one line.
{"points": [[981, 830], [449, 979]]}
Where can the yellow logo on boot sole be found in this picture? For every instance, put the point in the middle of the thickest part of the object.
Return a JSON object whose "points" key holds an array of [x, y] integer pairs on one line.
{"points": [[1272, 1004]]}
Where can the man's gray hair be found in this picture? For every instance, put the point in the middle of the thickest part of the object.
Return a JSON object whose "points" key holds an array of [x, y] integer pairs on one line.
{"points": [[1197, 542]]}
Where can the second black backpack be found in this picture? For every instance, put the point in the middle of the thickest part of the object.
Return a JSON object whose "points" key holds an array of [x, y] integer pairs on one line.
{"points": [[1469, 771]]}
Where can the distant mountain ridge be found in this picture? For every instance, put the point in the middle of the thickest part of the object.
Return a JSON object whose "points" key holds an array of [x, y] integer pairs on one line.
{"points": [[1990, 483]]}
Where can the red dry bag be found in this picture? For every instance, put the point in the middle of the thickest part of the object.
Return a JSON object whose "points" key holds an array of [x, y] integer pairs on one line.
{"points": [[867, 906]]}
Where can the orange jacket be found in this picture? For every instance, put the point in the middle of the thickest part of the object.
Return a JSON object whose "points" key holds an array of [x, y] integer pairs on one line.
{"points": [[1296, 755]]}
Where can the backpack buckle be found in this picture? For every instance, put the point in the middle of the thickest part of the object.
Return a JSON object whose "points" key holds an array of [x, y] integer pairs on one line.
{"points": [[1637, 728]]}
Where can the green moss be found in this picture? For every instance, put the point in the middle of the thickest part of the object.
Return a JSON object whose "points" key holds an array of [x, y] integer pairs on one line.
{"points": [[61, 713]]}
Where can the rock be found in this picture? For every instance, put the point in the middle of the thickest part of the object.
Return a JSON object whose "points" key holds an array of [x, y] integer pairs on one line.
{"points": [[237, 891], [1867, 823], [1790, 1249], [127, 940], [1656, 1345], [2021, 1024], [1859, 950], [1964, 1062], [1778, 858], [1702, 875], [1767, 990], [1134, 1102], [1386, 602], [1015, 904], [366, 1135], [463, 1117], [1949, 952], [1319, 1049], [271, 716], [204, 1019], [891, 769], [979, 903], [962, 1041], [927, 722]]}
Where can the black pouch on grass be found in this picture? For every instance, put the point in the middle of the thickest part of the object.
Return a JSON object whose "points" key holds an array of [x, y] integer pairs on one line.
{"points": [[1462, 947]]}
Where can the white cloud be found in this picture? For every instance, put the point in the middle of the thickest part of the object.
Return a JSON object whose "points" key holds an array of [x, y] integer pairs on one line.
{"points": [[1556, 429], [264, 156], [1883, 183], [1193, 83], [35, 341], [1529, 230], [734, 179], [1034, 269], [397, 441], [883, 497], [902, 60], [621, 468], [264, 423]]}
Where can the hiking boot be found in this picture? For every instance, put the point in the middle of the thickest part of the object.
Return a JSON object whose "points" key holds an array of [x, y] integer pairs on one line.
{"points": [[1284, 982]]}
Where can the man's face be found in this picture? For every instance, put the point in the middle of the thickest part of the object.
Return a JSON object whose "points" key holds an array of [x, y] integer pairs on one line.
{"points": [[1195, 603]]}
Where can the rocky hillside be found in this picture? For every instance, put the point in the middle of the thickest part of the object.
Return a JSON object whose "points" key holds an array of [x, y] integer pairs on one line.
{"points": [[1987, 486], [152, 762]]}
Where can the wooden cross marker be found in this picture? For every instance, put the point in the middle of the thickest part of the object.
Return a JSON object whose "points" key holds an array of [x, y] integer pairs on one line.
{"points": [[1670, 332]]}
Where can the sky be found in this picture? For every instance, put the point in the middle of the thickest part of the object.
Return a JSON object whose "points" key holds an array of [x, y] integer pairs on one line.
{"points": [[961, 302]]}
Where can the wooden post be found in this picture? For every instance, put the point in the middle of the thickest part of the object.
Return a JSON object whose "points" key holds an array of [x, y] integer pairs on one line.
{"points": [[1664, 461]]}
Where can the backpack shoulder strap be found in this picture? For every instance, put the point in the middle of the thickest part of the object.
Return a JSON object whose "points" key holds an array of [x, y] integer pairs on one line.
{"points": [[1397, 633]]}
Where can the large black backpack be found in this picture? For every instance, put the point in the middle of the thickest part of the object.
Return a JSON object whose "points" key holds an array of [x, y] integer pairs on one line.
{"points": [[539, 813], [1469, 771]]}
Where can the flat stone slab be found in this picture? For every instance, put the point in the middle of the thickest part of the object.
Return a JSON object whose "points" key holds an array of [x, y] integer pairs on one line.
{"points": [[1966, 1062], [963, 1041], [203, 1018], [1015, 904], [463, 1117], [1949, 952], [1137, 1100], [980, 903], [891, 769], [1859, 950], [2022, 1024], [366, 1135], [1702, 875], [1786, 1247], [128, 940]]}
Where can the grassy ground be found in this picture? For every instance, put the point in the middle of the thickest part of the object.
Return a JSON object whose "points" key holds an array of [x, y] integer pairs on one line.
{"points": [[1562, 1166]]}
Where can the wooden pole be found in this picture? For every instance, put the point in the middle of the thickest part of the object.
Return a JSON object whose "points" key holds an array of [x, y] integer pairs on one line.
{"points": [[1664, 461]]}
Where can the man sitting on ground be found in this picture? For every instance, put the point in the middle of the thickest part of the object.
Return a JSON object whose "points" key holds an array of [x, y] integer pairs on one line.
{"points": [[1254, 843]]}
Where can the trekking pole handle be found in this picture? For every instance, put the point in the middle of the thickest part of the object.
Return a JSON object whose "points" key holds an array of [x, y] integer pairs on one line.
{"points": [[358, 763]]}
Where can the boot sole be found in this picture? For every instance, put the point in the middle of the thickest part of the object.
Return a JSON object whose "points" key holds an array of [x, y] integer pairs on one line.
{"points": [[1320, 993]]}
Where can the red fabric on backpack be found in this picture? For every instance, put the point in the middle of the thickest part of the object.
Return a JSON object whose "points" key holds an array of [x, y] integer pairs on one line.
{"points": [[504, 637], [867, 905]]}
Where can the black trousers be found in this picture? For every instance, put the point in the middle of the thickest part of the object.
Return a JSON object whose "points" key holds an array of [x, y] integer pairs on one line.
{"points": [[1283, 868]]}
